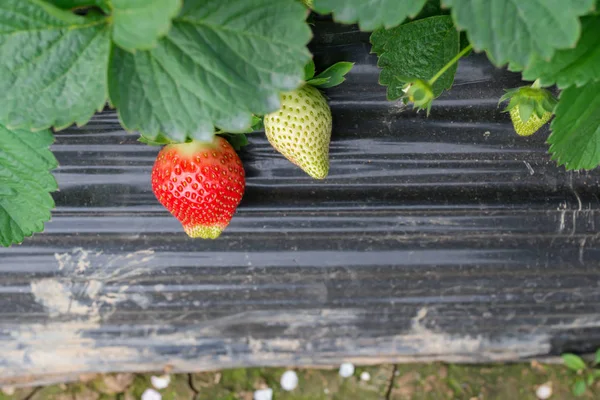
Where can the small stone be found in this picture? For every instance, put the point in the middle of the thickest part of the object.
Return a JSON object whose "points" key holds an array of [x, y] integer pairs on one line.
{"points": [[85, 378], [365, 376], [289, 381], [114, 384], [168, 368], [151, 394], [85, 393], [544, 391], [160, 382], [346, 370], [263, 394]]}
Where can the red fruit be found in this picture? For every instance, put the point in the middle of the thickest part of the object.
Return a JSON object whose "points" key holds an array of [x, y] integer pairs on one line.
{"points": [[201, 184]]}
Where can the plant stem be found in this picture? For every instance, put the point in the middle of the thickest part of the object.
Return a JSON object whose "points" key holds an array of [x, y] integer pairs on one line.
{"points": [[450, 63]]}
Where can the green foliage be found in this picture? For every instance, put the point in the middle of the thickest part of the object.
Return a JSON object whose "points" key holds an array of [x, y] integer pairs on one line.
{"points": [[137, 24], [416, 50], [237, 140], [217, 66], [372, 14], [220, 62], [574, 66], [309, 70], [25, 183], [332, 76], [575, 138], [573, 362], [159, 140], [71, 4], [182, 70], [584, 376], [47, 54], [515, 31], [579, 387]]}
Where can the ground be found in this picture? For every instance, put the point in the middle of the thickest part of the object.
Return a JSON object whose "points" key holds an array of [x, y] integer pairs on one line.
{"points": [[395, 382]]}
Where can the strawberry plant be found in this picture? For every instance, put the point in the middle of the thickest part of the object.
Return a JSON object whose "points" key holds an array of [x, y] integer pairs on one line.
{"points": [[179, 72], [585, 375]]}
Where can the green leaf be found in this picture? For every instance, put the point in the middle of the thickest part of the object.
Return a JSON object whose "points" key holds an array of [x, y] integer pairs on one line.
{"points": [[579, 387], [416, 50], [575, 138], [589, 380], [573, 362], [159, 140], [222, 61], [516, 30], [237, 140], [25, 202], [431, 9], [54, 65], [138, 24], [371, 14], [576, 66], [309, 70], [257, 124], [318, 82], [597, 357], [71, 4], [595, 373], [332, 76]]}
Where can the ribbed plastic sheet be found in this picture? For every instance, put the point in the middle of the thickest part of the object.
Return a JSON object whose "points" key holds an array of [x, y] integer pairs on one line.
{"points": [[446, 238]]}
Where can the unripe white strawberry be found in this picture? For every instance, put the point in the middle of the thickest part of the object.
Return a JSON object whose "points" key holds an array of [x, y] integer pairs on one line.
{"points": [[301, 130]]}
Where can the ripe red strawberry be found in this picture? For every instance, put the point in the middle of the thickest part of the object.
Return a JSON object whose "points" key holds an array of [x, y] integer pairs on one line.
{"points": [[201, 184]]}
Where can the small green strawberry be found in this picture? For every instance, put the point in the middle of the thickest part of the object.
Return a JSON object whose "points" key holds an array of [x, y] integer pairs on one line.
{"points": [[530, 108], [301, 129], [532, 125]]}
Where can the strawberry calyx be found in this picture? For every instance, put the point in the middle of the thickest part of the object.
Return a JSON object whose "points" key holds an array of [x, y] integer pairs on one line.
{"points": [[331, 77], [420, 94], [530, 107]]}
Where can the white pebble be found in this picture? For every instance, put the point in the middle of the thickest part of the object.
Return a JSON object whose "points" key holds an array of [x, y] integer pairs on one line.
{"points": [[263, 394], [151, 394], [365, 376], [544, 391], [346, 370], [289, 381], [160, 382]]}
